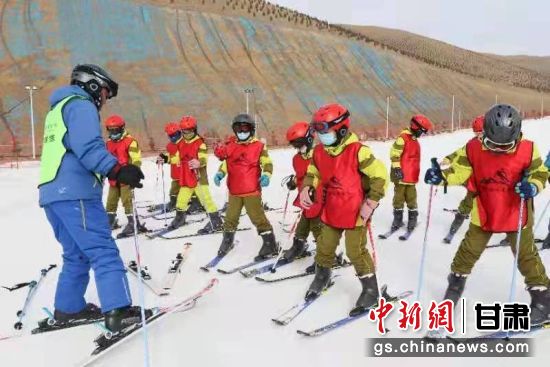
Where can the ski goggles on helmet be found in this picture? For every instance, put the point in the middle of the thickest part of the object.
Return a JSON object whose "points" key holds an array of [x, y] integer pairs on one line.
{"points": [[498, 147], [242, 127], [300, 142], [324, 126], [115, 132], [416, 126]]}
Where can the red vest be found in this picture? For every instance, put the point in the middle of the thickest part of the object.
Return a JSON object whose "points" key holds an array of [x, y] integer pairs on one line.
{"points": [[493, 179], [342, 183], [300, 167], [172, 150], [119, 149], [410, 159], [188, 151], [243, 167]]}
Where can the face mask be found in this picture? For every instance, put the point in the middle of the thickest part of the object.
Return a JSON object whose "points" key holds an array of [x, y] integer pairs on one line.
{"points": [[175, 137], [328, 138], [115, 136], [243, 136], [302, 149], [189, 136]]}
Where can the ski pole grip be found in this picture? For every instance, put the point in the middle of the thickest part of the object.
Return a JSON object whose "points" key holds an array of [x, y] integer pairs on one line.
{"points": [[436, 166]]}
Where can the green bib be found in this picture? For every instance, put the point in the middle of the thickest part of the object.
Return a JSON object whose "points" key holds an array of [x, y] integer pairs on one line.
{"points": [[53, 149]]}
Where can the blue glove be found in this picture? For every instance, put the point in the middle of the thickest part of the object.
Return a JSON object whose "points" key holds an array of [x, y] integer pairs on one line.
{"points": [[433, 176], [547, 161], [218, 177], [264, 181], [526, 190]]}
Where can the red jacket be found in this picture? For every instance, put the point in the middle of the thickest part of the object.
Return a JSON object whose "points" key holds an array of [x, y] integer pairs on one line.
{"points": [[341, 180], [410, 159], [243, 167], [187, 152], [300, 165], [119, 149], [493, 179]]}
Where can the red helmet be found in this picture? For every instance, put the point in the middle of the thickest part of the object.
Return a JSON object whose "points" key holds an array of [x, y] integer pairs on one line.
{"points": [[477, 124], [114, 121], [333, 117], [422, 123], [188, 123], [171, 128], [300, 134]]}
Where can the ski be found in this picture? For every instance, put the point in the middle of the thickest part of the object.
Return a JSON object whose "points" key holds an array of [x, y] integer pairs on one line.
{"points": [[298, 275], [502, 243], [454, 211], [217, 259], [196, 234], [346, 320], [405, 236], [281, 262], [244, 266], [121, 235], [385, 236], [174, 269], [146, 278], [108, 341], [33, 287], [51, 324], [286, 317]]}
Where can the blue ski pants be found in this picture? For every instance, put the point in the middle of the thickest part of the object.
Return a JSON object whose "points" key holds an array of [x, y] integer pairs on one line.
{"points": [[82, 228]]}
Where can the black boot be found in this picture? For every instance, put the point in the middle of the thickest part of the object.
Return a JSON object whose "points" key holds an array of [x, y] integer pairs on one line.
{"points": [[455, 287], [214, 224], [320, 282], [397, 219], [129, 229], [121, 318], [269, 247], [179, 220], [141, 227], [546, 242], [369, 295], [227, 243], [413, 220], [540, 305], [299, 247], [172, 203], [113, 223], [90, 312], [195, 206], [457, 222]]}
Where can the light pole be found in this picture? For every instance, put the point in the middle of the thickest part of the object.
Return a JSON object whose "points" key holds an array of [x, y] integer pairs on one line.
{"points": [[453, 115], [32, 88], [496, 98], [247, 91], [541, 105], [459, 118], [388, 117]]}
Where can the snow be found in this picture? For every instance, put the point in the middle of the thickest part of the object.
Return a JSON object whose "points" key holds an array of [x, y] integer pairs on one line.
{"points": [[231, 326]]}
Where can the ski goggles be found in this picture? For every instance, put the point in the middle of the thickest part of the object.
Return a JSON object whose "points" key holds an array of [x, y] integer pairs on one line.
{"points": [[416, 126], [300, 142], [242, 127], [324, 126], [498, 147], [175, 136]]}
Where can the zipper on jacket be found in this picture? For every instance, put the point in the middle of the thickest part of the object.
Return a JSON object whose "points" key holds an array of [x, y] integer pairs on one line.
{"points": [[83, 212]]}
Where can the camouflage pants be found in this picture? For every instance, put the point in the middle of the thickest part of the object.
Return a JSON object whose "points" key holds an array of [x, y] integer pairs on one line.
{"points": [[306, 226], [466, 205], [123, 193], [254, 209], [404, 194]]}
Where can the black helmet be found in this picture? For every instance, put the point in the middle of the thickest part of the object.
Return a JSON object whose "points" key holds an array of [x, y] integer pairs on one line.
{"points": [[92, 78], [243, 119], [502, 127]]}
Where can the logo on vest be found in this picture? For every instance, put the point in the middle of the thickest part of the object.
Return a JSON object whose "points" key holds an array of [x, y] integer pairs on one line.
{"points": [[334, 183], [500, 178]]}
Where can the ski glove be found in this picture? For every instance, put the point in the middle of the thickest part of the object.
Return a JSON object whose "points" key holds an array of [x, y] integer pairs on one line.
{"points": [[264, 181], [396, 174], [162, 158], [218, 177], [433, 176], [129, 174], [526, 189], [547, 161]]}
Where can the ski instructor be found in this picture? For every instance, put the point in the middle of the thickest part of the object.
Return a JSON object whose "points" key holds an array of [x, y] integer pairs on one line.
{"points": [[73, 164]]}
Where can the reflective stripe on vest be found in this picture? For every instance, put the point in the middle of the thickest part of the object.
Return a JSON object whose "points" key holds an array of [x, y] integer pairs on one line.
{"points": [[53, 149]]}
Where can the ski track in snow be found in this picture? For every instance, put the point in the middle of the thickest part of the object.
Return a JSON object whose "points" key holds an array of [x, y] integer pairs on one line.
{"points": [[232, 326]]}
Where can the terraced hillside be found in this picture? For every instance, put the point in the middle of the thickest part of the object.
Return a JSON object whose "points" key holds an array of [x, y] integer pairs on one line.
{"points": [[197, 57]]}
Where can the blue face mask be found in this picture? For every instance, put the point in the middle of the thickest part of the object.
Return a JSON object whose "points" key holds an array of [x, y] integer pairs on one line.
{"points": [[115, 136], [175, 137], [328, 138], [243, 136]]}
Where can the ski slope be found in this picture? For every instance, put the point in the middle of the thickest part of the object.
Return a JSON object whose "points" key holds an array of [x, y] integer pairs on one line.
{"points": [[232, 325]]}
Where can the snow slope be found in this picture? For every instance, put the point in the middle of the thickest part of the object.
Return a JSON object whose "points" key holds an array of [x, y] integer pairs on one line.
{"points": [[231, 326]]}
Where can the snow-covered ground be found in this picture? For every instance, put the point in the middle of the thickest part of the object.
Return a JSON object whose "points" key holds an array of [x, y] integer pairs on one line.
{"points": [[232, 325]]}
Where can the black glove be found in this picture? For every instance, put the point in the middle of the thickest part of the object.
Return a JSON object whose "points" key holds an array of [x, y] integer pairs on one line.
{"points": [[129, 175], [396, 174], [163, 157], [291, 184]]}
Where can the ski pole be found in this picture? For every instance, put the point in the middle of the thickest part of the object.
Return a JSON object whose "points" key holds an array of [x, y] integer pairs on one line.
{"points": [[163, 196], [516, 255], [141, 284], [284, 182], [425, 243], [539, 221], [292, 230], [371, 238]]}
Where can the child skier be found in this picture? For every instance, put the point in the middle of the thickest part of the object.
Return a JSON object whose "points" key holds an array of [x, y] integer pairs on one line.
{"points": [[546, 242], [300, 135], [500, 169], [126, 150], [345, 167], [405, 170], [171, 156], [193, 179], [248, 168]]}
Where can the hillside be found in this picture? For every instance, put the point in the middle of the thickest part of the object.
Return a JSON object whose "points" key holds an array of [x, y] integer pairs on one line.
{"points": [[197, 57], [540, 64]]}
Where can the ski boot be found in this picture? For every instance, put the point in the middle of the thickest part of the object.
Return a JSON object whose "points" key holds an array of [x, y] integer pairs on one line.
{"points": [[546, 242], [113, 222], [195, 206], [215, 224], [299, 248], [457, 222], [120, 318], [369, 295], [90, 312], [179, 220], [413, 220], [320, 282], [227, 243], [456, 287], [540, 305], [269, 247], [172, 203], [397, 219]]}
